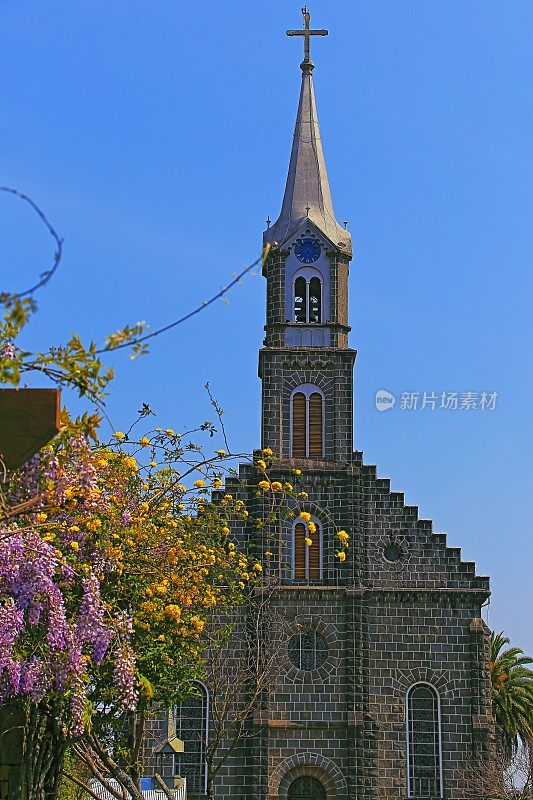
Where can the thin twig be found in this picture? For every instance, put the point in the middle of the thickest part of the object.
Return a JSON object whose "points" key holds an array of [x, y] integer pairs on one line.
{"points": [[262, 258], [45, 276]]}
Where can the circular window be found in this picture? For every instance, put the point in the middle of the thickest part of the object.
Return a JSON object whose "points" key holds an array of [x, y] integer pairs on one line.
{"points": [[392, 552], [306, 789], [307, 650]]}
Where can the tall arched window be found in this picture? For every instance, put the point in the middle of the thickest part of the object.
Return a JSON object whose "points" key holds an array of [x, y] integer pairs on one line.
{"points": [[308, 298], [307, 558], [307, 430], [424, 767], [306, 788], [192, 726]]}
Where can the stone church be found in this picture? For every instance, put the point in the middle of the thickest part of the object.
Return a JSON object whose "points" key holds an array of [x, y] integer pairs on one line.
{"points": [[382, 691]]}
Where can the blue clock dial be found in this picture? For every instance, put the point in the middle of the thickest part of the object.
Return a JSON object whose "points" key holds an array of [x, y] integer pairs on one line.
{"points": [[307, 249]]}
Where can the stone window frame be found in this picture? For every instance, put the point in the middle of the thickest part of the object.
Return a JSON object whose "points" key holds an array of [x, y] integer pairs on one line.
{"points": [[320, 530], [307, 389], [206, 703], [332, 661], [309, 764], [402, 541], [438, 721]]}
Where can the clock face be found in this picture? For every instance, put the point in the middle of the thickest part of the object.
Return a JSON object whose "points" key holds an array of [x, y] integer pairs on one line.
{"points": [[307, 249]]}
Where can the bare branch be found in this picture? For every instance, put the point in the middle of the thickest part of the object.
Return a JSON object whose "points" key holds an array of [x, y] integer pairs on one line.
{"points": [[45, 276]]}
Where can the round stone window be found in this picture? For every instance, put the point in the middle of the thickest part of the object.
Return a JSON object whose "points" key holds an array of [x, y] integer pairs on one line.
{"points": [[392, 552], [307, 650]]}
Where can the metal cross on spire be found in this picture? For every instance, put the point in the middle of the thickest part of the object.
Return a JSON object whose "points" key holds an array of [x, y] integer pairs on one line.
{"points": [[307, 33]]}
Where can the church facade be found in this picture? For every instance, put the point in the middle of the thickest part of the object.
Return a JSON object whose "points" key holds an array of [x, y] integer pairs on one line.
{"points": [[382, 691]]}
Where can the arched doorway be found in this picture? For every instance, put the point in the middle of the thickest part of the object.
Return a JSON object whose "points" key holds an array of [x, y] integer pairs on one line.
{"points": [[306, 788]]}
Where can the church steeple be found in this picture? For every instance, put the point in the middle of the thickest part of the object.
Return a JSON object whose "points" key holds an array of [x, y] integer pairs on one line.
{"points": [[307, 193], [306, 365]]}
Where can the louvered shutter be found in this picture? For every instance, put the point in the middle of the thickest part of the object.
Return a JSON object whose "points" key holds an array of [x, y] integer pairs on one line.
{"points": [[315, 425], [314, 555], [299, 425], [299, 551]]}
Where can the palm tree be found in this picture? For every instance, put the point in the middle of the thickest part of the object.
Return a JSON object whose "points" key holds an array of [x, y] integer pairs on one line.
{"points": [[512, 694]]}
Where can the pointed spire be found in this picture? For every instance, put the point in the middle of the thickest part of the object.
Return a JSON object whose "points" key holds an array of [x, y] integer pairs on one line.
{"points": [[307, 194]]}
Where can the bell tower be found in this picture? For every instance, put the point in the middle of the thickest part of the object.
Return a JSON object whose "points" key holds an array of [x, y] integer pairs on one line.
{"points": [[306, 366]]}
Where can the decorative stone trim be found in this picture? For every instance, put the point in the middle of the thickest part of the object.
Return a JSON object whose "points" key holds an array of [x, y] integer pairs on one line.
{"points": [[307, 764], [439, 680]]}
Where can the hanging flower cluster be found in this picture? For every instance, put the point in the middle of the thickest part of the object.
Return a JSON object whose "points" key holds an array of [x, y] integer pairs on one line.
{"points": [[109, 569]]}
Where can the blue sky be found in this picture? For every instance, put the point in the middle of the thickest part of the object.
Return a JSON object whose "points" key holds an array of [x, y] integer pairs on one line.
{"points": [[156, 136]]}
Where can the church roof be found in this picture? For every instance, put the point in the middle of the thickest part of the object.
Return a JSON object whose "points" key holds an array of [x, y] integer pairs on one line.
{"points": [[307, 194]]}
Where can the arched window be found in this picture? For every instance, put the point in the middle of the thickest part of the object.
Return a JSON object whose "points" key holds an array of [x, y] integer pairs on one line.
{"points": [[192, 726], [424, 768], [306, 788], [307, 558], [300, 300], [308, 298], [307, 423]]}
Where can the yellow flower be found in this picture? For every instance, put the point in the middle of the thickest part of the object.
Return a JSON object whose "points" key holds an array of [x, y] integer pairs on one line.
{"points": [[144, 507], [221, 453], [261, 464], [245, 576], [343, 536], [198, 624], [341, 555], [199, 484], [276, 486], [49, 537], [101, 463], [231, 546], [75, 546], [173, 611], [228, 497], [305, 515], [153, 463], [73, 529], [217, 483], [264, 485], [241, 585], [225, 531], [169, 432], [311, 527], [288, 487], [131, 463], [297, 472], [119, 435], [93, 524], [267, 452], [303, 495], [258, 568], [145, 441], [308, 541], [268, 553]]}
